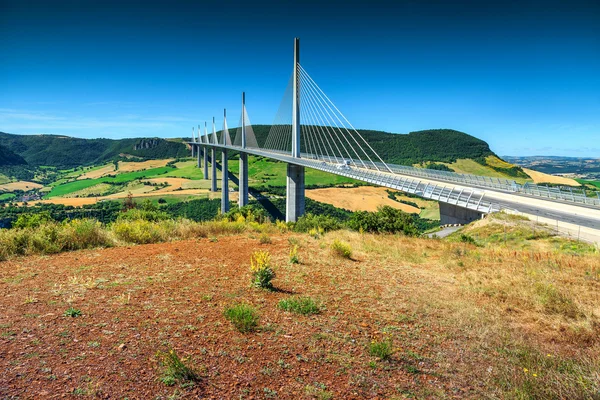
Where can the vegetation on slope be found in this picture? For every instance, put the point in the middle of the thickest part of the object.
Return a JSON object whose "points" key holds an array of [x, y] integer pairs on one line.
{"points": [[67, 152], [7, 157]]}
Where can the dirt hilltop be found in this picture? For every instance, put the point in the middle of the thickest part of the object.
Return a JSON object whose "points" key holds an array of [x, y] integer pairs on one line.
{"points": [[453, 324]]}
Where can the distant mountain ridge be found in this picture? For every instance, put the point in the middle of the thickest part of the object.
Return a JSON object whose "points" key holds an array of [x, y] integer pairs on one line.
{"points": [[434, 145], [67, 152]]}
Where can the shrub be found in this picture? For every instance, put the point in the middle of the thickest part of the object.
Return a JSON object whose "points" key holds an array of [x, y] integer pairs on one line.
{"points": [[84, 233], [341, 249], [385, 220], [175, 369], [260, 268], [300, 305], [323, 223], [467, 239], [145, 214], [381, 349], [32, 220], [294, 255], [142, 231], [244, 317], [264, 238]]}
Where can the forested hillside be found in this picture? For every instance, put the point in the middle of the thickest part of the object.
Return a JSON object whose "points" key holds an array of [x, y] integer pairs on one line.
{"points": [[437, 145], [67, 152], [8, 157]]}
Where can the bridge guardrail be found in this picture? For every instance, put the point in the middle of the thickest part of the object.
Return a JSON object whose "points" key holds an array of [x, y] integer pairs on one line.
{"points": [[326, 164]]}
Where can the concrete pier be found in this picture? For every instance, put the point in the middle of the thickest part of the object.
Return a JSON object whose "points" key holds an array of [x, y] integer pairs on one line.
{"points": [[294, 207], [199, 159], [243, 184], [451, 214], [224, 184], [213, 170], [205, 154]]}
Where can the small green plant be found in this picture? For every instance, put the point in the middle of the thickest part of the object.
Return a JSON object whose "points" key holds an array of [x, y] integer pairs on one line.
{"points": [[72, 312], [467, 239], [260, 268], [294, 255], [381, 349], [341, 249], [300, 305], [243, 316], [175, 369], [264, 238]]}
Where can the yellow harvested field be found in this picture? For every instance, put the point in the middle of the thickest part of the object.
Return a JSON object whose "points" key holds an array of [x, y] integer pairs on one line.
{"points": [[121, 195], [540, 177], [364, 198], [19, 185], [130, 166], [124, 166], [98, 173]]}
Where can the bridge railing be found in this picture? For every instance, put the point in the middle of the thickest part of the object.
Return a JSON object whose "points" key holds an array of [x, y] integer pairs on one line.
{"points": [[338, 166]]}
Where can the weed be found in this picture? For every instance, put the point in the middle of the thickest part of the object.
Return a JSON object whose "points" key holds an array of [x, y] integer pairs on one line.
{"points": [[244, 317], [294, 255], [318, 391], [72, 312], [381, 349], [341, 249], [300, 305], [260, 268], [264, 239], [467, 239], [175, 369]]}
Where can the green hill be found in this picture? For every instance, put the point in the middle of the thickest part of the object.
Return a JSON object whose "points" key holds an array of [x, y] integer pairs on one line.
{"points": [[435, 145], [7, 157], [67, 152]]}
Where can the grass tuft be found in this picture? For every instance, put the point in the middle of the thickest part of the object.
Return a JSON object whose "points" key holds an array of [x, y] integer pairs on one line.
{"points": [[300, 305], [175, 369], [243, 317]]}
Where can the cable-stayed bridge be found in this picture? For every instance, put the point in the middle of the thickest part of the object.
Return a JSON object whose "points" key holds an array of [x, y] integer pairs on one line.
{"points": [[309, 131]]}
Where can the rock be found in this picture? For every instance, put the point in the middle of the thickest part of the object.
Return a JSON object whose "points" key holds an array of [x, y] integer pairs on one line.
{"points": [[122, 346]]}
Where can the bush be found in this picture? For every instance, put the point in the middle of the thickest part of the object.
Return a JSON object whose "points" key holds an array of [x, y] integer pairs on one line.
{"points": [[264, 239], [83, 234], [142, 231], [244, 317], [175, 369], [321, 223], [300, 305], [146, 214], [385, 220], [341, 249], [32, 220], [260, 268]]}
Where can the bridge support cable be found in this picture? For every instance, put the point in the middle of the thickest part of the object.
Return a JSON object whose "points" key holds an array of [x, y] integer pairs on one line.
{"points": [[280, 134], [322, 125], [251, 141], [331, 122], [347, 126], [309, 128], [319, 131]]}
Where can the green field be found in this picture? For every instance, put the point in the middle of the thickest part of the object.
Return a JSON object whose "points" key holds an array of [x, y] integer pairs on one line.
{"points": [[75, 186], [7, 196], [596, 184]]}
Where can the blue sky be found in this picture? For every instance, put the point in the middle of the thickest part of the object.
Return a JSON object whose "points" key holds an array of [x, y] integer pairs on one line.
{"points": [[524, 76]]}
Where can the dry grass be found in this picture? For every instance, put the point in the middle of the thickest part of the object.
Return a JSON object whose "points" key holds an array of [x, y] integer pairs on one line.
{"points": [[364, 198], [19, 185], [540, 177]]}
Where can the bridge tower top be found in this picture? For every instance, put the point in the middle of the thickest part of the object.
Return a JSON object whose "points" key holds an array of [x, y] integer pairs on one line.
{"points": [[296, 101]]}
